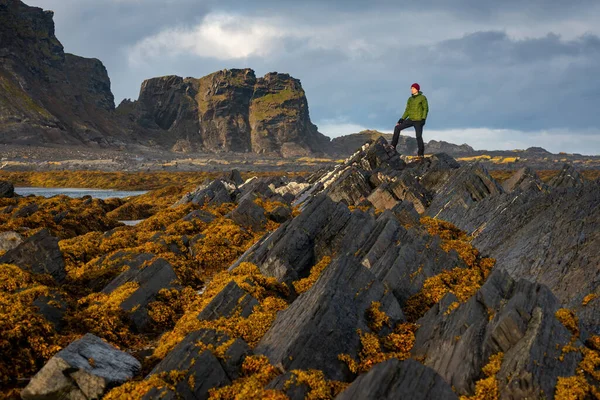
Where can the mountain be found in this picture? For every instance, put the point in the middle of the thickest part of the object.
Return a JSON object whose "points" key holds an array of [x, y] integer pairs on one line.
{"points": [[49, 97], [229, 110]]}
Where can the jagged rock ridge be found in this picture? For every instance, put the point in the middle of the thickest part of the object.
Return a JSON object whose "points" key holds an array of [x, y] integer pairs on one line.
{"points": [[229, 110]]}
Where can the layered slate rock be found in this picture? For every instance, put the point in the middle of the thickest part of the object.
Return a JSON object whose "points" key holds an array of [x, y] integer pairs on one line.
{"points": [[394, 379], [151, 279], [210, 192], [203, 371], [39, 254], [53, 307], [322, 323], [6, 189], [568, 177], [85, 369], [523, 179], [461, 191], [515, 318], [400, 256], [248, 214], [232, 299], [538, 232]]}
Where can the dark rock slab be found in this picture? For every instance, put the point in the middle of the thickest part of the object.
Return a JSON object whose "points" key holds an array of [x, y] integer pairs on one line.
{"points": [[53, 307], [200, 215], [351, 187], [512, 317], [7, 189], [523, 179], [280, 214], [467, 186], [39, 254], [234, 176], [568, 177], [394, 379], [322, 322], [151, 279], [85, 369], [228, 301], [203, 368], [26, 211], [249, 214], [211, 192]]}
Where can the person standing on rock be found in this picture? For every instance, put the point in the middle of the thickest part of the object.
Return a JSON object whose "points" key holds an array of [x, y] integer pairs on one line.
{"points": [[415, 115]]}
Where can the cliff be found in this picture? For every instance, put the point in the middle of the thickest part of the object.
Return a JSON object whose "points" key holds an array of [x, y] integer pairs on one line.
{"points": [[46, 95], [229, 110], [49, 97]]}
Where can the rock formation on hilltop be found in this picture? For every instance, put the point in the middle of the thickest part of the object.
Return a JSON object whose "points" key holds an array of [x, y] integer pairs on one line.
{"points": [[229, 110], [46, 95]]}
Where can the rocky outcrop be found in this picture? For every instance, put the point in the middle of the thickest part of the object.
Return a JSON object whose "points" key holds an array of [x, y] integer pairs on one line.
{"points": [[229, 110], [523, 179], [149, 279], [567, 177], [536, 231], [323, 322], [6, 189], [46, 95], [394, 379], [85, 369], [39, 254], [434, 146], [514, 318]]}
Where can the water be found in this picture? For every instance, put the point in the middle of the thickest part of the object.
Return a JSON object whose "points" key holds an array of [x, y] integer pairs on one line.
{"points": [[77, 193]]}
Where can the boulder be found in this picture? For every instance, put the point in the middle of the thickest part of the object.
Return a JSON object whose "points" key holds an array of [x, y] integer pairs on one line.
{"points": [[39, 254], [10, 240], [6, 189], [234, 176], [26, 211], [249, 215], [85, 369], [53, 307], [394, 379]]}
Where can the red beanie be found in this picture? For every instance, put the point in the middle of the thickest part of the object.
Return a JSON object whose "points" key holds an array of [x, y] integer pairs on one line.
{"points": [[416, 86]]}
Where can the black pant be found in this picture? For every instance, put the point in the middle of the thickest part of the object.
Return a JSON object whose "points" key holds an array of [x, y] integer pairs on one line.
{"points": [[418, 130]]}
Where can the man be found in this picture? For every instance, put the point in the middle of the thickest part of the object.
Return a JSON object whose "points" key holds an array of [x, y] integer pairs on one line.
{"points": [[414, 115]]}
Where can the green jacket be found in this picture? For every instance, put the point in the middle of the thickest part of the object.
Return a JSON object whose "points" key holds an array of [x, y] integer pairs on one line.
{"points": [[416, 107]]}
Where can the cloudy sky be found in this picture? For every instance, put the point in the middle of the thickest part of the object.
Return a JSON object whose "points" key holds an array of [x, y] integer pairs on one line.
{"points": [[498, 74]]}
